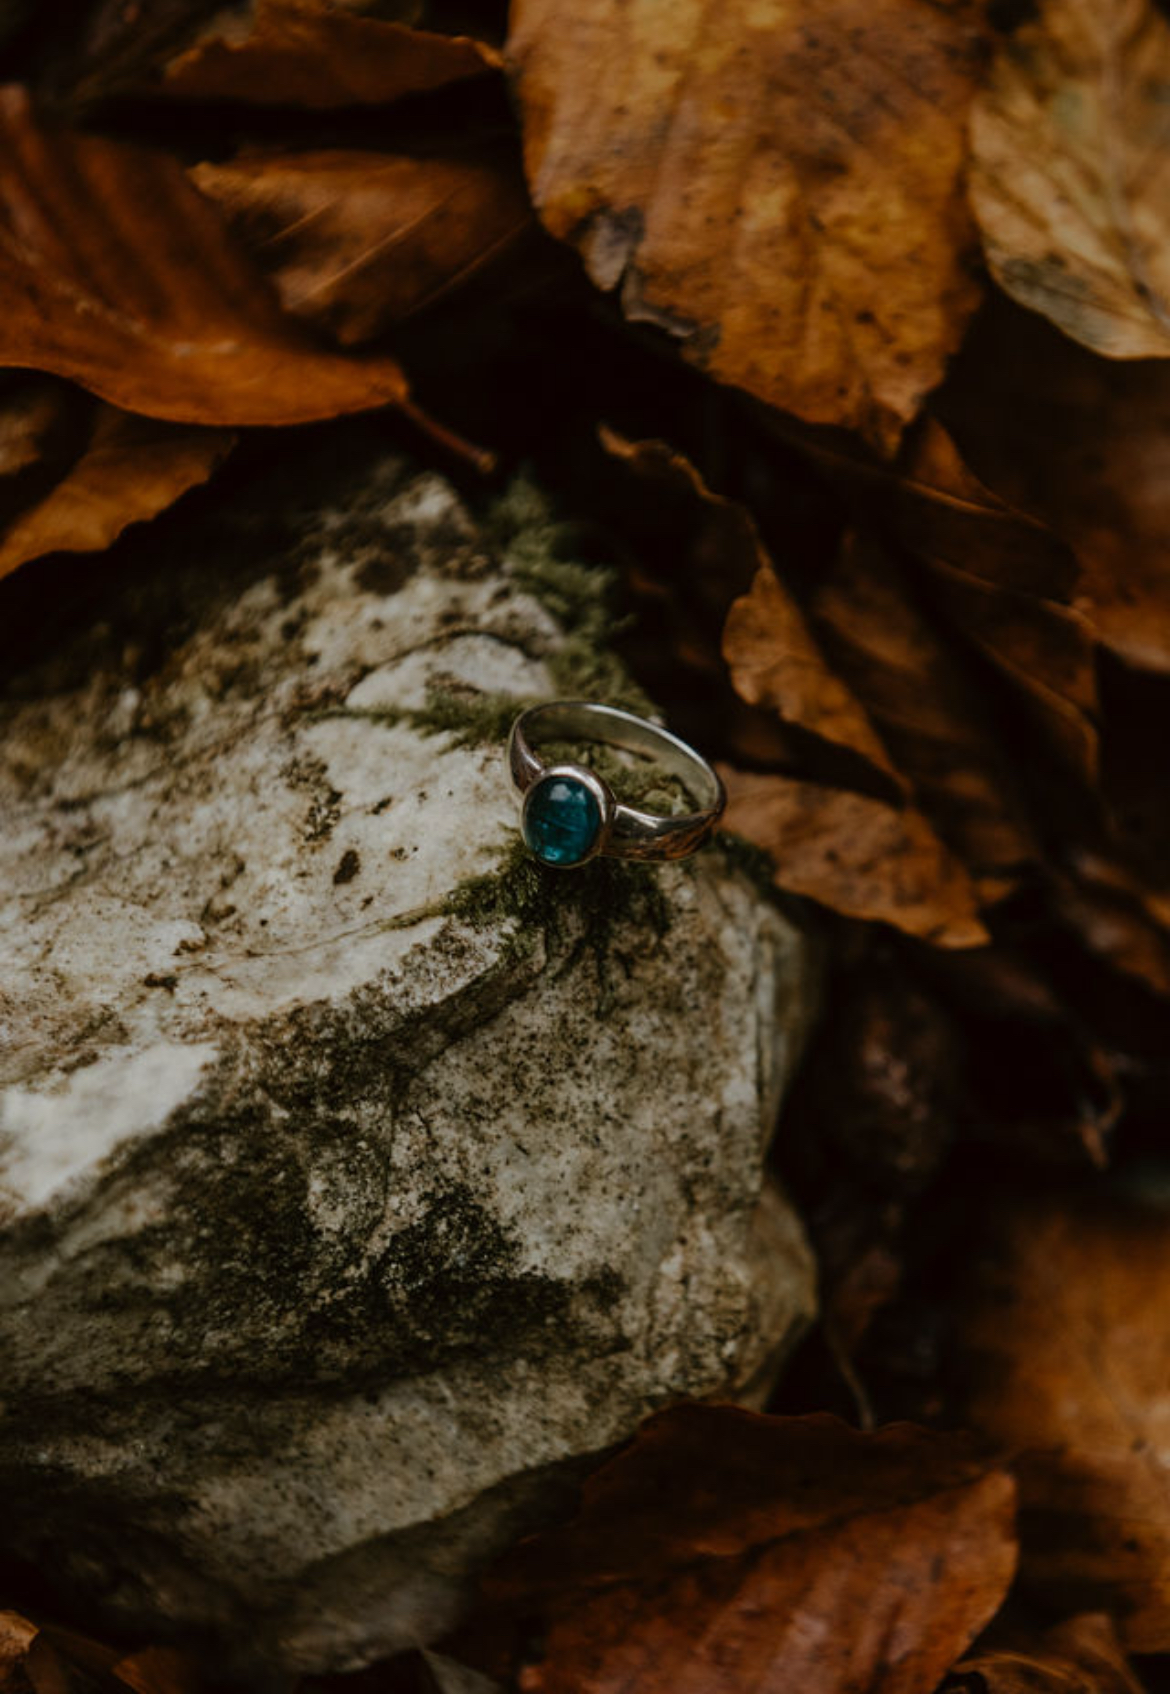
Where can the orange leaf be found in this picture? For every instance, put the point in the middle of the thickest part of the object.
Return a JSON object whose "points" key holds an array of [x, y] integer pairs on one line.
{"points": [[732, 1552], [131, 286], [781, 190], [358, 241], [857, 855], [1066, 1358], [132, 469]]}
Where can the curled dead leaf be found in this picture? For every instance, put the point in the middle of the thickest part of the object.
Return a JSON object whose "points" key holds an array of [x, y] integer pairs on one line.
{"points": [[769, 649], [44, 1657], [1083, 444], [930, 712], [29, 410], [695, 551], [17, 1634], [1110, 919], [292, 53], [133, 288], [730, 1552], [1040, 1086], [860, 856], [775, 663], [872, 1121], [357, 241], [1013, 604], [131, 470], [781, 192], [690, 554], [159, 1668], [998, 578], [1082, 1654], [1070, 172], [1065, 1358]]}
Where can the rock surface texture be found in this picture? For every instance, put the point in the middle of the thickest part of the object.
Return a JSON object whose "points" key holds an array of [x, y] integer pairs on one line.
{"points": [[356, 1175]]}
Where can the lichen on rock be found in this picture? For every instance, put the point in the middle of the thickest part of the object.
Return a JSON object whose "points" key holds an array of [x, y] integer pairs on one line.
{"points": [[358, 1177]]}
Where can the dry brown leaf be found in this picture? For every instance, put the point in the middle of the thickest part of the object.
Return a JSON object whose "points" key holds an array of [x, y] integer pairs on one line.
{"points": [[1004, 584], [1125, 898], [929, 712], [870, 1126], [775, 663], [303, 53], [1066, 1356], [1084, 445], [28, 411], [998, 579], [772, 655], [1082, 1654], [158, 1668], [1038, 1086], [857, 855], [132, 288], [781, 189], [1114, 925], [48, 1658], [132, 469], [690, 556], [358, 241], [1070, 172], [732, 1552], [695, 551], [17, 1634]]}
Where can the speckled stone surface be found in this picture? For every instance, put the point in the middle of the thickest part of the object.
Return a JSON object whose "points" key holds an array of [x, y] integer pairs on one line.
{"points": [[356, 1175]]}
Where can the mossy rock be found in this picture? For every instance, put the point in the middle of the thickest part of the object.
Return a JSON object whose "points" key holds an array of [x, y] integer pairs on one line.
{"points": [[359, 1178]]}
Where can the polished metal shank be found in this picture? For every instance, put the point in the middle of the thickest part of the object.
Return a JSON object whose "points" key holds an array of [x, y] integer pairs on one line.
{"points": [[629, 832]]}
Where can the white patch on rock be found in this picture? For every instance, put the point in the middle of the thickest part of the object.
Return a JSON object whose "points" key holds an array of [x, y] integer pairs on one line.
{"points": [[53, 1135]]}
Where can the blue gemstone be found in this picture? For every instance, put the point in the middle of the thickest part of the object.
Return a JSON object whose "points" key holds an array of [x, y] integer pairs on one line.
{"points": [[561, 820]]}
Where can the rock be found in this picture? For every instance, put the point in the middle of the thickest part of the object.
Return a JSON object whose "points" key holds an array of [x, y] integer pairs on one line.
{"points": [[358, 1178]]}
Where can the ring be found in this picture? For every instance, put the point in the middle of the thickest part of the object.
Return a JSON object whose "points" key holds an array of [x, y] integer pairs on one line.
{"points": [[569, 814]]}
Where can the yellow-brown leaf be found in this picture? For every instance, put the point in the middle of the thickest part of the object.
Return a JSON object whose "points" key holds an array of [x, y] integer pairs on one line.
{"points": [[780, 188], [1070, 172]]}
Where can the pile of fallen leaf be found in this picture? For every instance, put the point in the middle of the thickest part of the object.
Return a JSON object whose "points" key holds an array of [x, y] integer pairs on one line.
{"points": [[843, 327]]}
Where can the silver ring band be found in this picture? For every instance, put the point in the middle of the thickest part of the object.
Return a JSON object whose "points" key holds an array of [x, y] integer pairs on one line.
{"points": [[569, 814]]}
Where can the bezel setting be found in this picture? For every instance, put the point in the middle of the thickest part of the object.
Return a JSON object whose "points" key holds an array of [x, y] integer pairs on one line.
{"points": [[601, 794]]}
